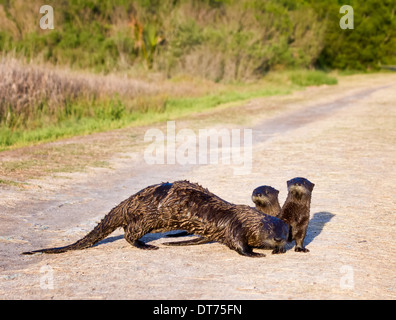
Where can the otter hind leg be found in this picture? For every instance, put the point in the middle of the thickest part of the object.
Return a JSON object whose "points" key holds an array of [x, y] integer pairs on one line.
{"points": [[299, 236], [187, 242], [133, 232], [300, 249]]}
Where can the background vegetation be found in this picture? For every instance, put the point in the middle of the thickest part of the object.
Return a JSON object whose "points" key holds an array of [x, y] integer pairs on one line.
{"points": [[100, 48], [216, 39]]}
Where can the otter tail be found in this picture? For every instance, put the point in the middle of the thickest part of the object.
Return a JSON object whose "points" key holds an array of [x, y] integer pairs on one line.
{"points": [[112, 221]]}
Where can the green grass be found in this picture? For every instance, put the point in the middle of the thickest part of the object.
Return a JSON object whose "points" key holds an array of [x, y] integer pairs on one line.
{"points": [[311, 78], [80, 125], [85, 117]]}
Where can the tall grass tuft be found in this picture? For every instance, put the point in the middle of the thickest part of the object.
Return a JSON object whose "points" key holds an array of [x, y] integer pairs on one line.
{"points": [[33, 95]]}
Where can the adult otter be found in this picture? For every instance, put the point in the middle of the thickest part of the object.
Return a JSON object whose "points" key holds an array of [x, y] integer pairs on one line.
{"points": [[266, 200], [295, 211], [188, 206]]}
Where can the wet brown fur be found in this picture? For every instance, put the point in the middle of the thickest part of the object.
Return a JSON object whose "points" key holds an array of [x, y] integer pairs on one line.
{"points": [[188, 206], [266, 200], [295, 210]]}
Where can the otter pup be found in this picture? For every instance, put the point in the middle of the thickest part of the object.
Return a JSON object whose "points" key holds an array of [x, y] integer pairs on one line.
{"points": [[295, 211], [188, 206], [266, 200]]}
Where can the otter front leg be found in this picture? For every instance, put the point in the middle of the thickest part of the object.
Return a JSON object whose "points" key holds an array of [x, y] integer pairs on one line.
{"points": [[246, 250], [133, 232], [277, 250], [299, 236]]}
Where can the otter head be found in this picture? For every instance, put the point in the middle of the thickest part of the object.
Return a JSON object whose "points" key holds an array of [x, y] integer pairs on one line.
{"points": [[265, 196], [300, 188], [274, 232]]}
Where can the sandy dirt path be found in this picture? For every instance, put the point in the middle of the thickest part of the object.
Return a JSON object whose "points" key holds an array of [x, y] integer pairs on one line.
{"points": [[341, 137]]}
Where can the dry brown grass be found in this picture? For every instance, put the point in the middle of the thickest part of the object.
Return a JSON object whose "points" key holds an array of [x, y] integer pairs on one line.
{"points": [[26, 89], [44, 103]]}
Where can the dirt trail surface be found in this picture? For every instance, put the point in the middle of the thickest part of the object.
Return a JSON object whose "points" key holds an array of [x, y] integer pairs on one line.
{"points": [[341, 137]]}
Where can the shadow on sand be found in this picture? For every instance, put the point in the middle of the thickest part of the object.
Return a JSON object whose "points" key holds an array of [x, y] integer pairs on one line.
{"points": [[316, 225]]}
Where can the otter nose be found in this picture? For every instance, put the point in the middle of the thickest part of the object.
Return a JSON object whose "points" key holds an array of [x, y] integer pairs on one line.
{"points": [[278, 239]]}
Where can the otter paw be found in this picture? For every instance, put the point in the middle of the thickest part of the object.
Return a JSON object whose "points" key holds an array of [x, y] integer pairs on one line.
{"points": [[299, 249], [254, 255], [141, 245], [278, 250]]}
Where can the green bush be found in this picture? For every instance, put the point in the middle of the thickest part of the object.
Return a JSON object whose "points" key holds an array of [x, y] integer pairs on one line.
{"points": [[216, 39]]}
